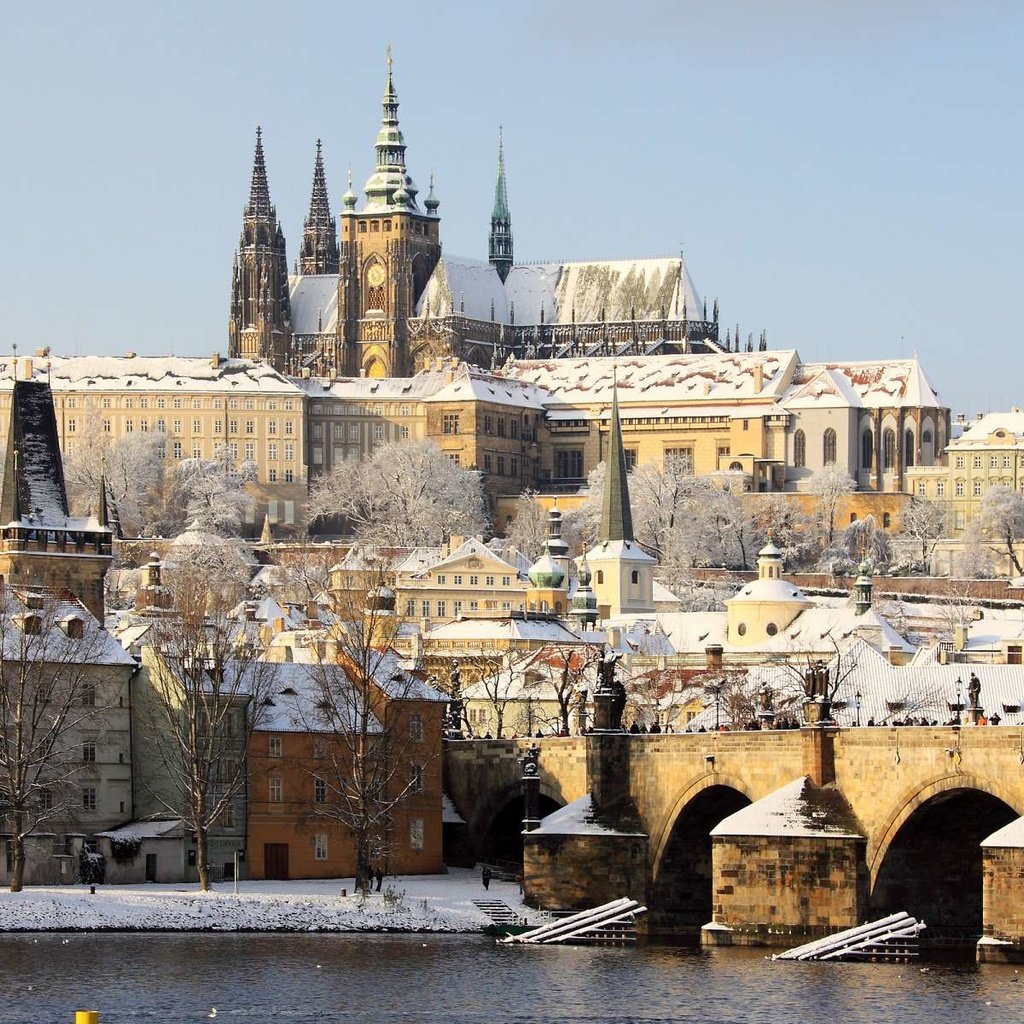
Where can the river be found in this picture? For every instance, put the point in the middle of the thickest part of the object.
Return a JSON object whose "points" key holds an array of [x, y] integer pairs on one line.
{"points": [[390, 979]]}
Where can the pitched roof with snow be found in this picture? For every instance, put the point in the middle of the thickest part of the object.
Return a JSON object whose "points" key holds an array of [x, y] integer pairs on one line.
{"points": [[898, 383], [660, 380], [314, 303], [979, 432]]}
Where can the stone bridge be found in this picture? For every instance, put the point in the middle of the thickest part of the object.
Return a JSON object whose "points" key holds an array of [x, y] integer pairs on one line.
{"points": [[841, 825]]}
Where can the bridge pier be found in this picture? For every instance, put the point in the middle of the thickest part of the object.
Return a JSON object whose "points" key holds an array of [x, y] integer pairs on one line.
{"points": [[1003, 896]]}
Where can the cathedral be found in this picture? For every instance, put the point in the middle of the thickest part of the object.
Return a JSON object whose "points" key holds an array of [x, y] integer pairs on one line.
{"points": [[379, 299]]}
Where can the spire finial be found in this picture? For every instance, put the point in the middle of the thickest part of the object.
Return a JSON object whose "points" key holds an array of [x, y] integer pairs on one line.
{"points": [[259, 193], [390, 56]]}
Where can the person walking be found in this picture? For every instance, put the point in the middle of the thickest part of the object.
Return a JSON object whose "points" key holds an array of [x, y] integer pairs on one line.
{"points": [[485, 877]]}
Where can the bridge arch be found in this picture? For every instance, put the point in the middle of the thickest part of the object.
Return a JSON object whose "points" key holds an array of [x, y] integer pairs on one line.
{"points": [[928, 860], [680, 899], [496, 828]]}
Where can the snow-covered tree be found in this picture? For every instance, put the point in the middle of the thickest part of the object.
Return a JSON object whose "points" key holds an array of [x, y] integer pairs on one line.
{"points": [[866, 540], [214, 493], [528, 528], [406, 493], [923, 522], [830, 485], [998, 524], [133, 466], [776, 515]]}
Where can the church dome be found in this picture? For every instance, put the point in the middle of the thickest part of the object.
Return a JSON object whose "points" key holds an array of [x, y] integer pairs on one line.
{"points": [[545, 574], [401, 197], [431, 203]]}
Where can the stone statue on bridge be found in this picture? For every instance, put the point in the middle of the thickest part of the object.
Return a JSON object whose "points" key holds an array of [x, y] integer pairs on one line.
{"points": [[974, 691], [610, 696]]}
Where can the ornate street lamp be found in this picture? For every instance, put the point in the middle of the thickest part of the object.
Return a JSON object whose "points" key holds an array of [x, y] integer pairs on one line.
{"points": [[857, 698]]}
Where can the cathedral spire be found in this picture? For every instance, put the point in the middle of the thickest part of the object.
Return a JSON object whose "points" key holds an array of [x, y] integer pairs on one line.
{"points": [[616, 515], [500, 242], [259, 193], [390, 175], [319, 233]]}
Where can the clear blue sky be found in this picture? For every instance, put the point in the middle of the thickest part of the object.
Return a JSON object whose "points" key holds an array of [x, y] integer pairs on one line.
{"points": [[846, 175]]}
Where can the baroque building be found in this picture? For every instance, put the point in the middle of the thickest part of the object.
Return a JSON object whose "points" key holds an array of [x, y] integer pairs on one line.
{"points": [[373, 295]]}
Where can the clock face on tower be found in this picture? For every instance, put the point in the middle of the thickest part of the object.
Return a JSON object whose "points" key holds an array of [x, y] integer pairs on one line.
{"points": [[375, 276]]}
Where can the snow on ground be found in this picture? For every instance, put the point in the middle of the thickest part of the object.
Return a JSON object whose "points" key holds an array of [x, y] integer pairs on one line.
{"points": [[407, 903]]}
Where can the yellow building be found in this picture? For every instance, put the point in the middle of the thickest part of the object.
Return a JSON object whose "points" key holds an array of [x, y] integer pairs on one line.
{"points": [[989, 452]]}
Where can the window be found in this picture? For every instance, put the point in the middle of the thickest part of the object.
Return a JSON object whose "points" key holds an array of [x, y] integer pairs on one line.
{"points": [[415, 833], [908, 448], [378, 431], [976, 489], [680, 461], [799, 449], [886, 519], [88, 798], [976, 462], [403, 432], [630, 454], [71, 426], [634, 577], [46, 799], [274, 746], [457, 580], [319, 791], [958, 488], [197, 426], [320, 846], [568, 463], [272, 451], [250, 451], [88, 695], [276, 789], [271, 426], [416, 727], [960, 462], [456, 607], [227, 819], [1007, 462], [993, 462], [888, 449], [453, 457], [289, 451], [488, 467], [474, 581], [176, 450], [488, 581], [89, 752], [106, 426], [501, 465], [450, 423], [415, 778], [441, 579], [940, 489], [828, 447], [922, 489], [600, 576], [488, 424], [161, 426], [442, 608], [289, 427], [425, 609], [867, 450], [250, 426]]}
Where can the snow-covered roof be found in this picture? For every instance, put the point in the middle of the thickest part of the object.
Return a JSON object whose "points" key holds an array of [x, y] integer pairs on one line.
{"points": [[158, 373], [579, 818], [979, 432], [470, 382], [314, 303], [1011, 835], [660, 381], [471, 547], [769, 591], [798, 809], [891, 383], [457, 284], [504, 629], [164, 828], [295, 704]]}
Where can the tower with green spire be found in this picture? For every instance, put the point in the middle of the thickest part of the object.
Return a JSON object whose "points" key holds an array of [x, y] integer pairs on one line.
{"points": [[623, 571], [388, 251], [499, 249]]}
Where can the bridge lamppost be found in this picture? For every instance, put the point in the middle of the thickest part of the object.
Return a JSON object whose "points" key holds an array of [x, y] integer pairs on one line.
{"points": [[857, 698], [958, 707]]}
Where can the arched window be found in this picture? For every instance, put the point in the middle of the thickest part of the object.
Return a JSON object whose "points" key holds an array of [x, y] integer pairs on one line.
{"points": [[600, 575], [867, 450], [634, 577], [886, 520], [908, 448], [799, 449], [926, 437], [829, 447], [853, 517], [888, 449]]}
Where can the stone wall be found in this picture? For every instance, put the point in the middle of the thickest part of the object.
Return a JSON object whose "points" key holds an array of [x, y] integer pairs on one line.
{"points": [[781, 891], [1003, 902]]}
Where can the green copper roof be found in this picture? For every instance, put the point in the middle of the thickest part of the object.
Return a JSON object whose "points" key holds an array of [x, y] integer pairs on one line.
{"points": [[500, 211], [616, 515]]}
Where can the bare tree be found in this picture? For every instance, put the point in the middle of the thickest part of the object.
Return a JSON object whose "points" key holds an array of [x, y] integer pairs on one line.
{"points": [[375, 743], [204, 691], [406, 493], [831, 485], [569, 669], [998, 523], [51, 688]]}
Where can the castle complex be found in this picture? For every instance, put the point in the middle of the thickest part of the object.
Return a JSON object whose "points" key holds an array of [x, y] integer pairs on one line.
{"points": [[380, 299]]}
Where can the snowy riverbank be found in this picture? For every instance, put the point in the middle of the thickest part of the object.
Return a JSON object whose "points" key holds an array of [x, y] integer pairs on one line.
{"points": [[409, 903]]}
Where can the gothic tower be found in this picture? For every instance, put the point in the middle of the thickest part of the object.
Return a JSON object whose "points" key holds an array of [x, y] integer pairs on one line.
{"points": [[388, 251], [499, 249], [260, 324], [319, 232]]}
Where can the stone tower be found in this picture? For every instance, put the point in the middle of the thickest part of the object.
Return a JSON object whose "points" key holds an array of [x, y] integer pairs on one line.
{"points": [[319, 232], [40, 544], [388, 251], [499, 248], [623, 571], [260, 322]]}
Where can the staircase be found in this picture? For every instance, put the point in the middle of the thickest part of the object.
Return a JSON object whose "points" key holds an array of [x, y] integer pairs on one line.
{"points": [[497, 911]]}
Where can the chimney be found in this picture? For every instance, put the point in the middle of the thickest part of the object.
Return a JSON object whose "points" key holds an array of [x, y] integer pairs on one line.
{"points": [[312, 610], [713, 653], [959, 638], [215, 360], [26, 368], [279, 625], [455, 541], [758, 378], [614, 637]]}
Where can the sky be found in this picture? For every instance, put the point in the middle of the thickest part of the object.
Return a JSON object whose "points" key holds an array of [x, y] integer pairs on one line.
{"points": [[845, 176]]}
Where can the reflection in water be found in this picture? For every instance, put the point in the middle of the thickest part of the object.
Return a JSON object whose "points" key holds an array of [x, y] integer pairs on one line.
{"points": [[388, 979]]}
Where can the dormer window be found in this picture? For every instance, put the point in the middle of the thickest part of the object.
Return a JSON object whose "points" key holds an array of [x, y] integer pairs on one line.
{"points": [[73, 627], [32, 624]]}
